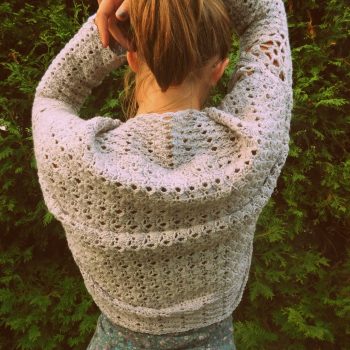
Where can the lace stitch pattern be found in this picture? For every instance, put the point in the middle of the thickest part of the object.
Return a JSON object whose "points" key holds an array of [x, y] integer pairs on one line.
{"points": [[160, 211]]}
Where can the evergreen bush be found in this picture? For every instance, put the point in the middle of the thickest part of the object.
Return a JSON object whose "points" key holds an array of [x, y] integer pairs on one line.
{"points": [[298, 294]]}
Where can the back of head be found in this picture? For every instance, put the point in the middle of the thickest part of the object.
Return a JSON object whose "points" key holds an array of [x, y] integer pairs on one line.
{"points": [[176, 38]]}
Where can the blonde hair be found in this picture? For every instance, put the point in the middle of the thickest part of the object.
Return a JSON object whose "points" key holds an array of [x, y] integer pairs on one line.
{"points": [[181, 34]]}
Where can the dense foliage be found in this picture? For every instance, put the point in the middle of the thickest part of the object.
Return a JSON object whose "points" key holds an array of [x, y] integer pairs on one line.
{"points": [[298, 294]]}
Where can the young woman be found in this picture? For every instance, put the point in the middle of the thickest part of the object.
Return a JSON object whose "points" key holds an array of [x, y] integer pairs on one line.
{"points": [[160, 211]]}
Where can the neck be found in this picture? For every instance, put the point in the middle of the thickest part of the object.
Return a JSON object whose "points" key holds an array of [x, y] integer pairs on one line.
{"points": [[176, 98]]}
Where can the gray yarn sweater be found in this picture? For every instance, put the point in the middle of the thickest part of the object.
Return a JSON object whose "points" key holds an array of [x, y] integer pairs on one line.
{"points": [[160, 211]]}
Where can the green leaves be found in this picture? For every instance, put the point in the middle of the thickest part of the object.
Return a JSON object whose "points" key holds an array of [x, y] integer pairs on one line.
{"points": [[252, 335], [260, 289], [297, 296], [303, 321]]}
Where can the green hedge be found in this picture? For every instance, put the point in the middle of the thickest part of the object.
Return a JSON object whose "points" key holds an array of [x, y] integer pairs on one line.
{"points": [[298, 294]]}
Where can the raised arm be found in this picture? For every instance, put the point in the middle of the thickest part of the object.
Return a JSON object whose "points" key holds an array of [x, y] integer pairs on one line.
{"points": [[258, 105], [80, 66], [262, 80], [60, 137]]}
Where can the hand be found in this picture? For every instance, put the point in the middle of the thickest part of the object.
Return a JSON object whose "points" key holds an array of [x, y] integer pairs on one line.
{"points": [[109, 20]]}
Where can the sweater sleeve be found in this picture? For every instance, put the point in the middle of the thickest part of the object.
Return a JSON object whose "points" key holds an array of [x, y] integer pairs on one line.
{"points": [[80, 66], [60, 136], [264, 45], [260, 95], [263, 73]]}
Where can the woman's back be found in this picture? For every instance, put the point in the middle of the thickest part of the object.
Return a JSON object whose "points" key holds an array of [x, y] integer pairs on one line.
{"points": [[160, 211]]}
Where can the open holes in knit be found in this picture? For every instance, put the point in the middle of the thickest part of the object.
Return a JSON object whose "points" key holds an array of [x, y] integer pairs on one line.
{"points": [[161, 210]]}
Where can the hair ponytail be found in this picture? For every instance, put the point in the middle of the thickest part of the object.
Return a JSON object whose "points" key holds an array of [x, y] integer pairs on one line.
{"points": [[175, 39]]}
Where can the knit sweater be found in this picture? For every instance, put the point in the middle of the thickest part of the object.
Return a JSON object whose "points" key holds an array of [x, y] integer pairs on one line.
{"points": [[160, 211]]}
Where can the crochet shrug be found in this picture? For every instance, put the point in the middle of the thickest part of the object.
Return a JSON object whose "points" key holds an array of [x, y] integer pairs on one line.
{"points": [[160, 211]]}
